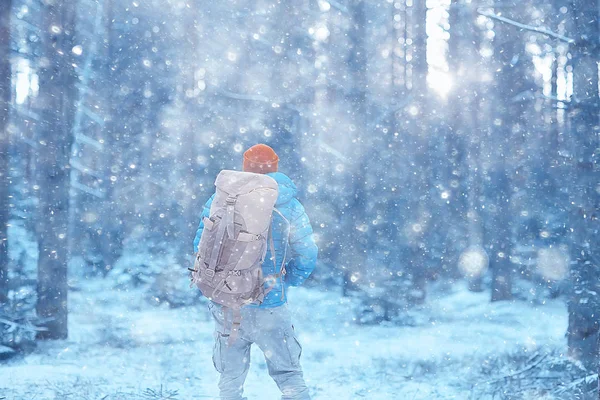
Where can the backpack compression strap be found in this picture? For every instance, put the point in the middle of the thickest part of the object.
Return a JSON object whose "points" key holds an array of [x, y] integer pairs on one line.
{"points": [[281, 273], [226, 225], [286, 241]]}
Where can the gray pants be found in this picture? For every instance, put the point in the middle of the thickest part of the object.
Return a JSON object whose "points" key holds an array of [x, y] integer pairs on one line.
{"points": [[272, 330]]}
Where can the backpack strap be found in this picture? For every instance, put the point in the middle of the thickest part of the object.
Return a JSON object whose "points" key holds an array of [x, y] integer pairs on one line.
{"points": [[272, 247], [230, 215], [286, 241], [226, 225], [281, 273], [271, 277]]}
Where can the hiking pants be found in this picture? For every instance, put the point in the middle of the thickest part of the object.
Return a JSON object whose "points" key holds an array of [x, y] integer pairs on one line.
{"points": [[272, 331]]}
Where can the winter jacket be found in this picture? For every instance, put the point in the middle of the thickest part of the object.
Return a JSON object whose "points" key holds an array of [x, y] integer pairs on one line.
{"points": [[302, 251]]}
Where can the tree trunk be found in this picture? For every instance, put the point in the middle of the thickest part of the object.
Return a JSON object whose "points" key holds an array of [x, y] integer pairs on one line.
{"points": [[111, 245], [584, 304], [511, 81], [421, 195], [56, 96], [357, 62], [191, 204], [5, 96], [462, 143]]}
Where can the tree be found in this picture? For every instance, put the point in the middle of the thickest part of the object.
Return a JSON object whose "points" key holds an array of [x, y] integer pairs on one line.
{"points": [[357, 62], [56, 98], [5, 96], [584, 304], [421, 204], [510, 83], [89, 181], [463, 140]]}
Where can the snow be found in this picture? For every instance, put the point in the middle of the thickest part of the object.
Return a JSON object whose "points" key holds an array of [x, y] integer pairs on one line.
{"points": [[424, 146], [121, 347]]}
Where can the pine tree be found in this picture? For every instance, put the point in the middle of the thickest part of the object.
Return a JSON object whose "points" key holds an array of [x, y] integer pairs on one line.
{"points": [[584, 304], [56, 98]]}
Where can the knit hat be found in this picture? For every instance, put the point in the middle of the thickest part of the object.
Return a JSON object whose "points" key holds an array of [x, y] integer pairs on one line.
{"points": [[260, 159]]}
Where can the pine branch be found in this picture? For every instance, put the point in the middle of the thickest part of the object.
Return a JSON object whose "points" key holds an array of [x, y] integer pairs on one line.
{"points": [[521, 371], [519, 25], [94, 192], [15, 325], [588, 379]]}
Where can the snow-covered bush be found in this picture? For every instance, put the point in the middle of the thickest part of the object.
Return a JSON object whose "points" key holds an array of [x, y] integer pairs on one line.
{"points": [[163, 279], [22, 254], [18, 323], [522, 375], [384, 298], [172, 287], [135, 269], [17, 317]]}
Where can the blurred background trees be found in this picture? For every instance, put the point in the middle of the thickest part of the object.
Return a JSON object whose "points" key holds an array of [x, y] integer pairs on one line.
{"points": [[431, 142], [5, 96]]}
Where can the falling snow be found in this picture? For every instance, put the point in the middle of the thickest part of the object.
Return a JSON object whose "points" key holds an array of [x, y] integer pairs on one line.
{"points": [[445, 151]]}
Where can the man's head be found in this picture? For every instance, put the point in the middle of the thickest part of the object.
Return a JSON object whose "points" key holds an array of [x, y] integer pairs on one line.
{"points": [[260, 159]]}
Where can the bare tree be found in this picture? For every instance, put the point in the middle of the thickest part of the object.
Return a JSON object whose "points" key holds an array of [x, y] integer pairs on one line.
{"points": [[56, 97], [5, 96]]}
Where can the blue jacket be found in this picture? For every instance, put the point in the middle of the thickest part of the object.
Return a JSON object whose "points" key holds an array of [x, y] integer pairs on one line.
{"points": [[301, 248]]}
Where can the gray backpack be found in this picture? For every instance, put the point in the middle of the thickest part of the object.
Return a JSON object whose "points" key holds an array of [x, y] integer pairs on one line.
{"points": [[232, 248]]}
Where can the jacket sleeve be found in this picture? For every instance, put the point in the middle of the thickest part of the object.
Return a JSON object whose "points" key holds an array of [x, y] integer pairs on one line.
{"points": [[303, 248], [205, 213]]}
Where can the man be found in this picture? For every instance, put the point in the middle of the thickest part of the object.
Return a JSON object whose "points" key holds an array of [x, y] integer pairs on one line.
{"points": [[268, 324]]}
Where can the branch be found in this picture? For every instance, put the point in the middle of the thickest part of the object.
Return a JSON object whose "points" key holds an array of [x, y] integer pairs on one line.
{"points": [[570, 387], [570, 104], [339, 6], [32, 143], [242, 96], [86, 189], [557, 104], [521, 371], [27, 112], [14, 325], [282, 102], [85, 170], [552, 98], [333, 151], [80, 137], [519, 25]]}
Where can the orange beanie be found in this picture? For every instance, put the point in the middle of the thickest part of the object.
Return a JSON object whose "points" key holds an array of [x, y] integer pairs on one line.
{"points": [[260, 159]]}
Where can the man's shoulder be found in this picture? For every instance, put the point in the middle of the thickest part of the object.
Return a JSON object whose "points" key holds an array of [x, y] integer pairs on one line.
{"points": [[292, 209], [211, 198]]}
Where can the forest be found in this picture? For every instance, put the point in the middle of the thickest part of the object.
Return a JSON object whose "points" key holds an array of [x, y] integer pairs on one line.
{"points": [[447, 153]]}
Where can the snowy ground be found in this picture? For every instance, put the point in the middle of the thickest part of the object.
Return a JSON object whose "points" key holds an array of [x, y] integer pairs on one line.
{"points": [[121, 348]]}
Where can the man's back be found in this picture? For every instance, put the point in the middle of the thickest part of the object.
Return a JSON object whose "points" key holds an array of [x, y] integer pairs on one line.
{"points": [[298, 248]]}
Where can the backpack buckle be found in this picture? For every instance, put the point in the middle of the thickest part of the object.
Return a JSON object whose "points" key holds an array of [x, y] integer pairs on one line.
{"points": [[210, 273], [231, 200]]}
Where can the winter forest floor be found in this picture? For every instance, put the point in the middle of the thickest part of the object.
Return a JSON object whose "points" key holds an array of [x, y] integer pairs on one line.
{"points": [[122, 348]]}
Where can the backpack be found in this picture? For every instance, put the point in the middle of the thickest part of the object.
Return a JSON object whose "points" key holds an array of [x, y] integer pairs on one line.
{"points": [[233, 245]]}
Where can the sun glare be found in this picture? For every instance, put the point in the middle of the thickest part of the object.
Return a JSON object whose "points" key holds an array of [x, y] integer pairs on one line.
{"points": [[440, 82]]}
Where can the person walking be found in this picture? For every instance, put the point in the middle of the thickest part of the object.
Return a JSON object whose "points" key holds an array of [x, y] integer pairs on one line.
{"points": [[266, 323]]}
